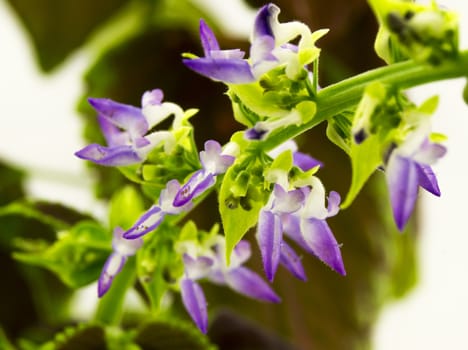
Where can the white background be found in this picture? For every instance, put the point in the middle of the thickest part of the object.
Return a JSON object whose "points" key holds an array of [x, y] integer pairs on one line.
{"points": [[40, 130]]}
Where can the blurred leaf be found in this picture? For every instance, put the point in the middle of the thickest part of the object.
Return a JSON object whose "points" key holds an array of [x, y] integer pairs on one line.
{"points": [[56, 215], [125, 208], [76, 257], [4, 342], [11, 183], [57, 27], [171, 335], [83, 336]]}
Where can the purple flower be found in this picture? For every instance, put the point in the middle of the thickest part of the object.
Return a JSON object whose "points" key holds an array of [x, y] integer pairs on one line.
{"points": [[214, 162], [152, 218], [126, 129], [210, 264], [121, 250], [270, 48], [408, 168], [301, 215], [270, 232]]}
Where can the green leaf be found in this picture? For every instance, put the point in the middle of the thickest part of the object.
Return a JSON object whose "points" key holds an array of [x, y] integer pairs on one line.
{"points": [[171, 335], [76, 257], [4, 342], [11, 183], [83, 336], [126, 206], [365, 158], [430, 105], [237, 218], [54, 215]]}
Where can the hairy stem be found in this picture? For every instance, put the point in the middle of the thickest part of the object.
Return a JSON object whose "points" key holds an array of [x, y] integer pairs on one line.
{"points": [[346, 94]]}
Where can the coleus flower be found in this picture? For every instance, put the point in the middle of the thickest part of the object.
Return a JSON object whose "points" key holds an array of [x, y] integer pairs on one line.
{"points": [[408, 168], [298, 213], [122, 248], [301, 215], [270, 48], [214, 162], [152, 218], [209, 263], [127, 129]]}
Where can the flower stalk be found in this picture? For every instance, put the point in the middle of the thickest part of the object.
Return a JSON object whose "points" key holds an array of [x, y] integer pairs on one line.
{"points": [[345, 95]]}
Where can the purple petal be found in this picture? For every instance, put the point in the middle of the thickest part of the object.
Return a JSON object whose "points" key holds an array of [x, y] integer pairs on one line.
{"points": [[241, 253], [153, 97], [113, 135], [323, 244], [112, 267], [292, 228], [212, 160], [109, 156], [334, 201], [123, 246], [402, 182], [292, 261], [197, 268], [196, 185], [287, 202], [269, 237], [208, 39], [146, 223], [261, 50], [124, 116], [429, 152], [167, 196], [262, 25], [247, 282], [234, 71], [195, 303], [254, 134], [427, 179], [305, 162]]}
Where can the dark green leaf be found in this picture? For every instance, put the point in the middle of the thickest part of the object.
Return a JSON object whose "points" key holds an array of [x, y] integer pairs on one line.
{"points": [[171, 335], [11, 184], [89, 337]]}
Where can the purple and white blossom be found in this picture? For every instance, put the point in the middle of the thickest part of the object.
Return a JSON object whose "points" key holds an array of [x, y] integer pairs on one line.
{"points": [[152, 218], [122, 248], [299, 214], [309, 228], [270, 232], [126, 129], [269, 48], [214, 162], [408, 168], [209, 262]]}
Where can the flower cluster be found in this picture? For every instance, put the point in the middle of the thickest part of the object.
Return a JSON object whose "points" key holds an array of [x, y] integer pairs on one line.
{"points": [[270, 48], [128, 129], [274, 189]]}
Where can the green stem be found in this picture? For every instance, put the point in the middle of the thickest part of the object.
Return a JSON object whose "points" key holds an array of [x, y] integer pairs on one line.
{"points": [[110, 307], [346, 94]]}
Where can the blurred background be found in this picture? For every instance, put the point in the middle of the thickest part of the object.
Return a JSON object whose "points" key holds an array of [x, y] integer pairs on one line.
{"points": [[403, 291]]}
